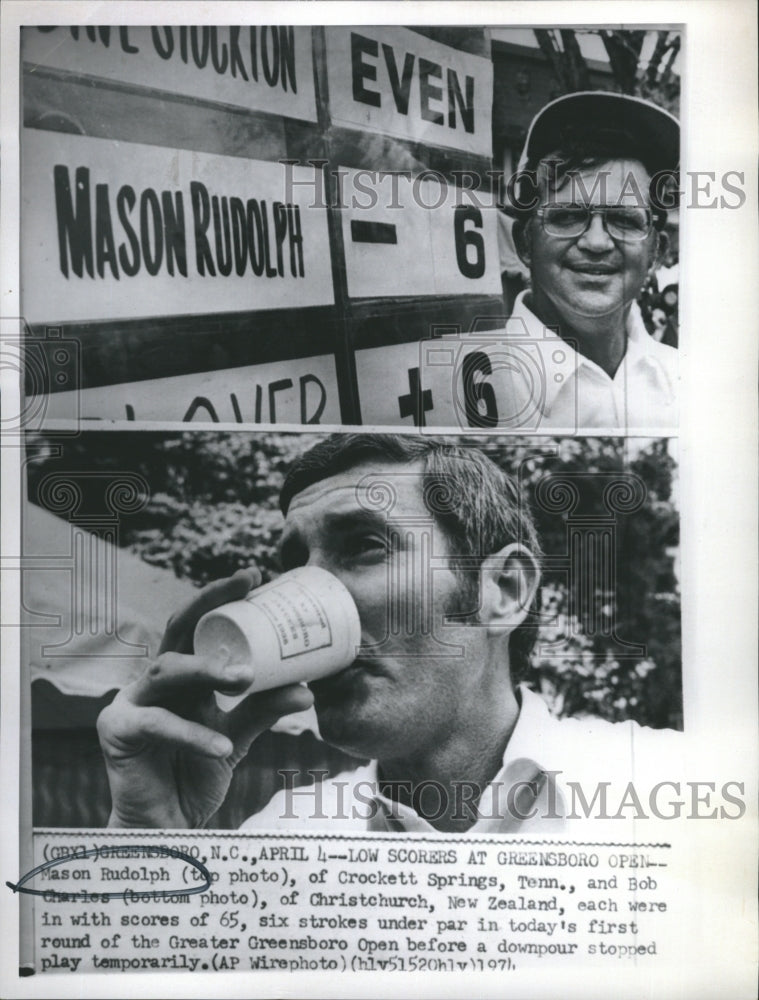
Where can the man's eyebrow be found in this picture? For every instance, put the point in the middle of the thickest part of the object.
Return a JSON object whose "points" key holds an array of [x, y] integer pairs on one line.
{"points": [[339, 522], [351, 520]]}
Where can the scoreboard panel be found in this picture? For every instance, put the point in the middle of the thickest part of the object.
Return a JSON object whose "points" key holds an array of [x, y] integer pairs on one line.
{"points": [[256, 224]]}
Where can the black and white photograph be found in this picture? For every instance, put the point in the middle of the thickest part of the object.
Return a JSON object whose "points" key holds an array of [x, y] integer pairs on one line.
{"points": [[413, 227], [498, 587], [379, 484]]}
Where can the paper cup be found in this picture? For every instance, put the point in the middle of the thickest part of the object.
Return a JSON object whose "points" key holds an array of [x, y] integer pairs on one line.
{"points": [[302, 626]]}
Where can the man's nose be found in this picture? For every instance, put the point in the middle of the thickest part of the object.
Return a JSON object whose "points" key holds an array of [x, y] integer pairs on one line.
{"points": [[321, 559], [595, 238]]}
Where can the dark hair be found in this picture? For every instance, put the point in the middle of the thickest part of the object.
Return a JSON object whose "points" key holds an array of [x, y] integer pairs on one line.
{"points": [[476, 503], [581, 148]]}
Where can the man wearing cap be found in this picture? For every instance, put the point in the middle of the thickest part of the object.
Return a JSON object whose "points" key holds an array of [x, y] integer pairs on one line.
{"points": [[589, 227]]}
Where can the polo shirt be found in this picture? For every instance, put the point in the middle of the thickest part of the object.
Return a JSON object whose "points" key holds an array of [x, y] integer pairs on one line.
{"points": [[555, 773], [572, 392]]}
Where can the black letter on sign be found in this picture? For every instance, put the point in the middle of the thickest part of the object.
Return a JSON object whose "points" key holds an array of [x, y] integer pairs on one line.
{"points": [[196, 404], [76, 228], [199, 46], [465, 106], [270, 60], [401, 88], [476, 392], [201, 214], [223, 253], [274, 387], [239, 234], [363, 71], [174, 231], [314, 418], [468, 238], [219, 53], [124, 36], [125, 202], [417, 401], [296, 241], [429, 92], [164, 49], [152, 252], [287, 48], [235, 56], [253, 37], [105, 249]]}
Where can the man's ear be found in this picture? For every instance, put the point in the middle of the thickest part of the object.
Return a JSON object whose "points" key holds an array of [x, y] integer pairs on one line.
{"points": [[509, 580], [520, 234], [660, 249]]}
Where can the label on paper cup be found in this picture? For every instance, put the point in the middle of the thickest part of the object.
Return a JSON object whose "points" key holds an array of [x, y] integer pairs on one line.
{"points": [[298, 616], [302, 626]]}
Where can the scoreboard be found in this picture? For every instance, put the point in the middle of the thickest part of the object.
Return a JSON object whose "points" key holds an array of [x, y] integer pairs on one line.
{"points": [[261, 224]]}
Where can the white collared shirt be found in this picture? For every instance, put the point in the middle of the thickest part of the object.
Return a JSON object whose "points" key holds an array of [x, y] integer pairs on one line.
{"points": [[573, 393], [551, 773]]}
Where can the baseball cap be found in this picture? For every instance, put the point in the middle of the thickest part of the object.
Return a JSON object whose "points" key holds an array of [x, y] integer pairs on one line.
{"points": [[655, 130]]}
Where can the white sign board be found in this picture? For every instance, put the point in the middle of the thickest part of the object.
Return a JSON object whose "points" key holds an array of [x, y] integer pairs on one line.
{"points": [[451, 382], [397, 82], [260, 68], [416, 236], [122, 230], [303, 391]]}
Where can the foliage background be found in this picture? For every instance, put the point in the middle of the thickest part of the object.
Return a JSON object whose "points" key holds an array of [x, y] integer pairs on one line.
{"points": [[214, 508], [650, 72]]}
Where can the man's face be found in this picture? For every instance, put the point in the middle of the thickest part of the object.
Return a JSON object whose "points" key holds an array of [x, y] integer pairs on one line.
{"points": [[406, 688], [582, 278]]}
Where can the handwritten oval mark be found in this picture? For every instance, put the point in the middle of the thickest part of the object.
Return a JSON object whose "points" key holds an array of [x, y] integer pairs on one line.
{"points": [[118, 852]]}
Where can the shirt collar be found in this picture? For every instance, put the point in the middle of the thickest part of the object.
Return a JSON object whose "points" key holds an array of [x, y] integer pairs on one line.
{"points": [[534, 747], [561, 361]]}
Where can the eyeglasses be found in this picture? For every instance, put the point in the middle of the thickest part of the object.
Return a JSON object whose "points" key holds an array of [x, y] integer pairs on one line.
{"points": [[626, 223]]}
